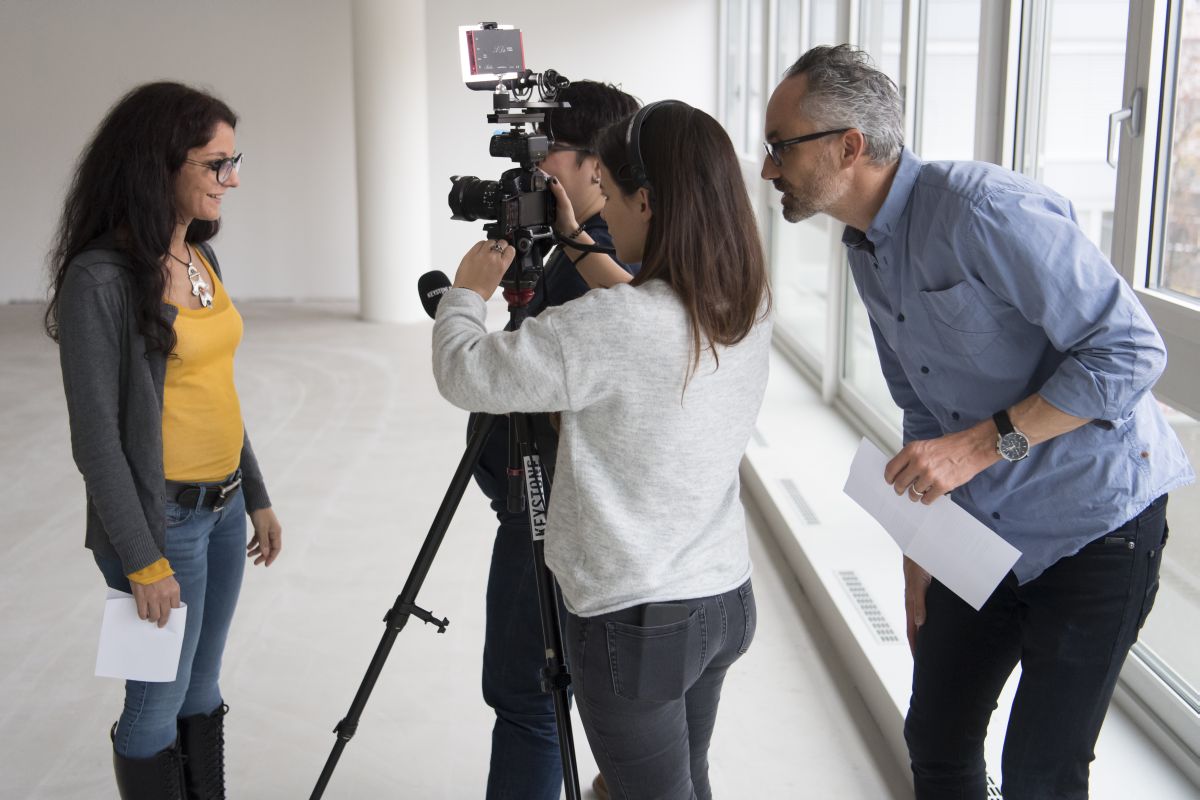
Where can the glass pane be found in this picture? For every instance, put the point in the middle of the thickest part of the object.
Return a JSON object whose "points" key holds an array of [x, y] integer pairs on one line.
{"points": [[756, 67], [946, 114], [1085, 70], [1180, 271], [800, 255], [1177, 606], [800, 252], [788, 40], [862, 370], [823, 23], [735, 74], [882, 27]]}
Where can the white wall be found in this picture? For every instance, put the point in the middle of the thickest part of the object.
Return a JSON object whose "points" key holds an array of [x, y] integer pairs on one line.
{"points": [[283, 66]]}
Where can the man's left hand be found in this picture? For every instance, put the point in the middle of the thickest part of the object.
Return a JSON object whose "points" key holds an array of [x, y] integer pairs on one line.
{"points": [[930, 468]]}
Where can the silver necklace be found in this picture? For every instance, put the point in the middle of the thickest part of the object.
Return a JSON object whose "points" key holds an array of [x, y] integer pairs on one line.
{"points": [[199, 285]]}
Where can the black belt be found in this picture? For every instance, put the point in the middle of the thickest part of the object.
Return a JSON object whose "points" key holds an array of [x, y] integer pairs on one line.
{"points": [[204, 495]]}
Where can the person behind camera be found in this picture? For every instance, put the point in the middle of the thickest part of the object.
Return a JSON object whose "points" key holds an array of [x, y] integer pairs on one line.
{"points": [[1023, 364], [658, 382], [525, 760], [146, 335]]}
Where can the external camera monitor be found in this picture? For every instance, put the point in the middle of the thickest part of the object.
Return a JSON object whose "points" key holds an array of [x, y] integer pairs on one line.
{"points": [[490, 53]]}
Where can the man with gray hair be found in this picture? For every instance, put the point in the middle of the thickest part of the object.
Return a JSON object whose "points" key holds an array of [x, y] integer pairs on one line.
{"points": [[1023, 364]]}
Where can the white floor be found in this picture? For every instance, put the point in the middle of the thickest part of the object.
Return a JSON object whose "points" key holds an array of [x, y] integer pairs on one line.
{"points": [[357, 447]]}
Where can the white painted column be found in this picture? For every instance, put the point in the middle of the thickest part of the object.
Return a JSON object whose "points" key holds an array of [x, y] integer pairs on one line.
{"points": [[390, 112]]}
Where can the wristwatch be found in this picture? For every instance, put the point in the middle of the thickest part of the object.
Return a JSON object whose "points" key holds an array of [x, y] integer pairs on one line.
{"points": [[1011, 444]]}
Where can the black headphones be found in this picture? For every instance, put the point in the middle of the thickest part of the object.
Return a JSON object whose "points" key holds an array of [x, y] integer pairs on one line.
{"points": [[633, 136]]}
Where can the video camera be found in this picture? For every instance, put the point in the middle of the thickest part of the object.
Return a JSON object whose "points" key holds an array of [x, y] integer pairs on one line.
{"points": [[520, 203]]}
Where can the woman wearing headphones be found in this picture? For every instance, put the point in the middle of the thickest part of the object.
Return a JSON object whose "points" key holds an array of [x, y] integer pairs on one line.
{"points": [[659, 382]]}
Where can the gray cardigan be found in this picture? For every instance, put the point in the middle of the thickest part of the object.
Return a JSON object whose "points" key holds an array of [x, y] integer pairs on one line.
{"points": [[114, 394]]}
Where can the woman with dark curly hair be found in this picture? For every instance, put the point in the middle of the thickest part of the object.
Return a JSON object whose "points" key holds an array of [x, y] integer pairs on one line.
{"points": [[147, 336]]}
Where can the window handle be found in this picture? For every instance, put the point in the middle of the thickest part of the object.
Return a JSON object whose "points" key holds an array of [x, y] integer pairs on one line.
{"points": [[1132, 117]]}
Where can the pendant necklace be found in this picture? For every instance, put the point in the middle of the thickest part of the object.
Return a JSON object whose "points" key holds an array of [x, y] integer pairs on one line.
{"points": [[199, 285]]}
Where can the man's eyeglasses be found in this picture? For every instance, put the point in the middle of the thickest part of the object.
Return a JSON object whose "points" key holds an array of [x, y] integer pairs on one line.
{"points": [[224, 167], [775, 150]]}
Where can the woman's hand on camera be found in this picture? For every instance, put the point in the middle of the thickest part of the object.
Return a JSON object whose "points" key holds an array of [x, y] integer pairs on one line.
{"points": [[564, 221], [483, 266]]}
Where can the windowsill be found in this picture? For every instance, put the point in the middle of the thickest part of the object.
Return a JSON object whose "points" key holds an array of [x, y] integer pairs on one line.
{"points": [[794, 468]]}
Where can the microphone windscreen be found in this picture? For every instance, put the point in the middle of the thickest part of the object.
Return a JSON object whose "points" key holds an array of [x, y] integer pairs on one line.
{"points": [[432, 285]]}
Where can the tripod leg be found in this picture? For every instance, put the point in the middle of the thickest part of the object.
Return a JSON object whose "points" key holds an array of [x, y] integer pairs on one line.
{"points": [[556, 676], [405, 606]]}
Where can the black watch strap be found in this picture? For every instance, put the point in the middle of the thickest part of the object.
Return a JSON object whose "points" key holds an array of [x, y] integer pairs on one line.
{"points": [[1003, 423]]}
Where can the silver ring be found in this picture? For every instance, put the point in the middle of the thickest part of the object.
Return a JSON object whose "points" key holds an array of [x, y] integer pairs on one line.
{"points": [[919, 494], [499, 247]]}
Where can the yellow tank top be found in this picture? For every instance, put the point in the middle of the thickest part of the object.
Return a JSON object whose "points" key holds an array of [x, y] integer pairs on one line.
{"points": [[202, 419]]}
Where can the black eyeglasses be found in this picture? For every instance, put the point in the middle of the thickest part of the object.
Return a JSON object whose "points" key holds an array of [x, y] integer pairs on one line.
{"points": [[775, 150], [556, 147], [224, 167]]}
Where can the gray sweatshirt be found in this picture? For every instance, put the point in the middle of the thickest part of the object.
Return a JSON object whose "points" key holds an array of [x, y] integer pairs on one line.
{"points": [[645, 505]]}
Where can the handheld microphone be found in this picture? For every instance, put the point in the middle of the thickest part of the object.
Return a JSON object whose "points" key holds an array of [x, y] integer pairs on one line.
{"points": [[431, 286]]}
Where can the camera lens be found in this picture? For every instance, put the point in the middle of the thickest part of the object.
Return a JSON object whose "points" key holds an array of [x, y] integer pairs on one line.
{"points": [[471, 198]]}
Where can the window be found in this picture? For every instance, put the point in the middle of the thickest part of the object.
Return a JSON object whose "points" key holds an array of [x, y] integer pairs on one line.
{"points": [[1177, 606], [803, 255], [1033, 85], [737, 42], [1179, 269], [1155, 233], [948, 46], [1074, 74], [800, 257]]}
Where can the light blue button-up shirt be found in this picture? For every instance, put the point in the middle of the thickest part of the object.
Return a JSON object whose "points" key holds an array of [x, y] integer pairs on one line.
{"points": [[983, 290]]}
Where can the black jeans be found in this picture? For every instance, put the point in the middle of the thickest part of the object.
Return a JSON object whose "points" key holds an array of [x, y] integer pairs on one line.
{"points": [[1070, 628], [648, 696]]}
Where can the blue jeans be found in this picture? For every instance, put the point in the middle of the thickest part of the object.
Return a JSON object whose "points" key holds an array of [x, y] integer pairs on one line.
{"points": [[207, 550], [1070, 628], [648, 696]]}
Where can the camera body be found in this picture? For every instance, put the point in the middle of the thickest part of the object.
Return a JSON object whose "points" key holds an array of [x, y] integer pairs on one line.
{"points": [[520, 205]]}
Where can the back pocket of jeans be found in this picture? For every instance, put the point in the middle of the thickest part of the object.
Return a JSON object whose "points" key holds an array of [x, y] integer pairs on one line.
{"points": [[657, 664]]}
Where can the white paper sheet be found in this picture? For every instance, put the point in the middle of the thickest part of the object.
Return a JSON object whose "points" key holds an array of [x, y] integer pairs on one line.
{"points": [[950, 544], [136, 649]]}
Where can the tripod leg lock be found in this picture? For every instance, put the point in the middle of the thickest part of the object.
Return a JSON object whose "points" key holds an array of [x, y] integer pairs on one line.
{"points": [[346, 729], [555, 679], [405, 610]]}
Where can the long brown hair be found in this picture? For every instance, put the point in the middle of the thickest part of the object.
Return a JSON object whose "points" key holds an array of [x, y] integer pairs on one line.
{"points": [[703, 241], [124, 185]]}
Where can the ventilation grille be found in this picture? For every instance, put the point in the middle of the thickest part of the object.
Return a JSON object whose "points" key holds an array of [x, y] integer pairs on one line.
{"points": [[806, 512], [993, 791], [866, 606]]}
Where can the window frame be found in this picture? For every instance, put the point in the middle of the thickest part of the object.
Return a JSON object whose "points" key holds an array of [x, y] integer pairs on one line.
{"points": [[1010, 98]]}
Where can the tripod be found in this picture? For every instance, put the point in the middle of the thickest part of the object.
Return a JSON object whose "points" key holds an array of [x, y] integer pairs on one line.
{"points": [[529, 489]]}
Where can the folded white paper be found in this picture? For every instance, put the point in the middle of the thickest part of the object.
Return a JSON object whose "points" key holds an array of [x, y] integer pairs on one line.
{"points": [[136, 649], [951, 545]]}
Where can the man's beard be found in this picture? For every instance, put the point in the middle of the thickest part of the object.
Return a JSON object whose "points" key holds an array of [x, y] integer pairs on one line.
{"points": [[820, 194]]}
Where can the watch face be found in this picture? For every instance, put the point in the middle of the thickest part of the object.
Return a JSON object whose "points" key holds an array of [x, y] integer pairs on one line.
{"points": [[1013, 446]]}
